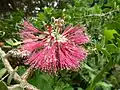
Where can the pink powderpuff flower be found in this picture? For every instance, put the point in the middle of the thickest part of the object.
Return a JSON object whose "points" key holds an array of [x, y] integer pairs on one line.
{"points": [[54, 49]]}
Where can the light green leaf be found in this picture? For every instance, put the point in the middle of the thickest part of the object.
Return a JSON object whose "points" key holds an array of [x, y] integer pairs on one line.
{"points": [[58, 88], [9, 41], [109, 34], [13, 42], [96, 9], [2, 72], [87, 67], [80, 89], [41, 16]]}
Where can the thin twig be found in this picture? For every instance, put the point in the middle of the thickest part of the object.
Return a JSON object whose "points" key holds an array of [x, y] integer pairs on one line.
{"points": [[8, 66], [16, 76], [103, 14], [4, 77], [27, 73], [13, 86]]}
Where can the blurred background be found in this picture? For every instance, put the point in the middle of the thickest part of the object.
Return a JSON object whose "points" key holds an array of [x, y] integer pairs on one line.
{"points": [[101, 18]]}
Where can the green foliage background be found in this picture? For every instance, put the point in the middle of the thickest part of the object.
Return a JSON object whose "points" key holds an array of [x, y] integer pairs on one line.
{"points": [[101, 69]]}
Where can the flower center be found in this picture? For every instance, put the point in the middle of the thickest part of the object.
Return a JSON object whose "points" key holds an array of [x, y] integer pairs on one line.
{"points": [[58, 37]]}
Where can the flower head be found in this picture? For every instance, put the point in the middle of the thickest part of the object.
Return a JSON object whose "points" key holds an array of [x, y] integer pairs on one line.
{"points": [[56, 48]]}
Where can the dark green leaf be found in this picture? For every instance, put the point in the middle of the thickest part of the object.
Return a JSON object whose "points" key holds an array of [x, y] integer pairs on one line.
{"points": [[3, 86]]}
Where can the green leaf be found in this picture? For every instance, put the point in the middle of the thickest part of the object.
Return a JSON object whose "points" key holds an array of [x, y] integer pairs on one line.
{"points": [[96, 9], [118, 42], [41, 16], [118, 59], [40, 81], [109, 34], [9, 41], [104, 85], [105, 52], [2, 72], [103, 41], [3, 86], [98, 46], [100, 75], [68, 88], [80, 89], [60, 85], [58, 88], [92, 75], [111, 48], [21, 70], [87, 67], [48, 10], [13, 42]]}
